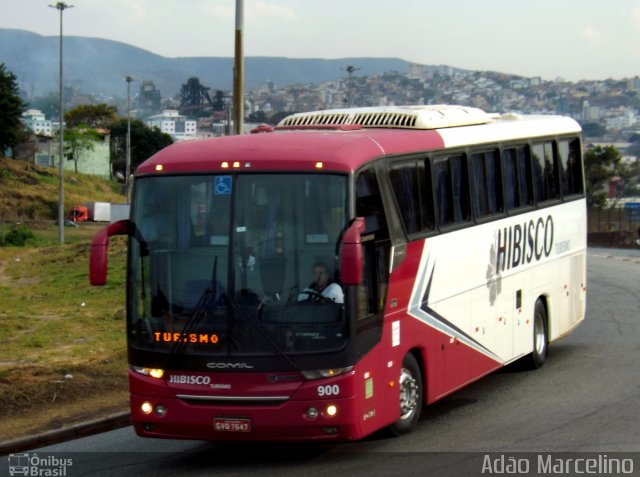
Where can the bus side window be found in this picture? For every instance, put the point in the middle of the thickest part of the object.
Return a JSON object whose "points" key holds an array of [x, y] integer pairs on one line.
{"points": [[570, 167], [510, 179], [487, 184], [412, 192], [516, 169], [452, 189], [545, 171]]}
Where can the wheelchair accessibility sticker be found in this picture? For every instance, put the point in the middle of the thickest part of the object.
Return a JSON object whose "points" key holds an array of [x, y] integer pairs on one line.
{"points": [[222, 185]]}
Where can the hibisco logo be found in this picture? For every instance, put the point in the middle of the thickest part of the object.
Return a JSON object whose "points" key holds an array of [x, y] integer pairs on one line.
{"points": [[183, 379]]}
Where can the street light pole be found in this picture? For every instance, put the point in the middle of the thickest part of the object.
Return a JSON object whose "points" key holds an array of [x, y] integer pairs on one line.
{"points": [[238, 70], [350, 69], [128, 79], [61, 6]]}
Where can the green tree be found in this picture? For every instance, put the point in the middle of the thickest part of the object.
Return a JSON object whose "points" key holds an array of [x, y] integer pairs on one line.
{"points": [[603, 164], [79, 140], [257, 117], [11, 109], [91, 116], [634, 138], [275, 118], [593, 130], [145, 142]]}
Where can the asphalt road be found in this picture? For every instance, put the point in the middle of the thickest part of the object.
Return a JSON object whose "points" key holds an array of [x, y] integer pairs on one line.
{"points": [[585, 399]]}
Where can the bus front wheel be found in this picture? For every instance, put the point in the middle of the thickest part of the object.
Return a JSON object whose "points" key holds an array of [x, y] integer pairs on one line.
{"points": [[411, 395]]}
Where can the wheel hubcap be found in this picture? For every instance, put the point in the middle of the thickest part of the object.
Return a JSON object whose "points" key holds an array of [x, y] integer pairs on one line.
{"points": [[408, 394], [539, 339]]}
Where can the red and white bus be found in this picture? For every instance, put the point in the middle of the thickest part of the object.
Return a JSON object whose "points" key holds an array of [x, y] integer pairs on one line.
{"points": [[454, 241]]}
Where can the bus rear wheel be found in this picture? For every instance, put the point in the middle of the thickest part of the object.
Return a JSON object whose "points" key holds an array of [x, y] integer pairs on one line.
{"points": [[411, 395], [540, 337]]}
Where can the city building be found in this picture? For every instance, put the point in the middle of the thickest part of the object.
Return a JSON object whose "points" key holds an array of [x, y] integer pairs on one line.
{"points": [[36, 121], [170, 121], [94, 160]]}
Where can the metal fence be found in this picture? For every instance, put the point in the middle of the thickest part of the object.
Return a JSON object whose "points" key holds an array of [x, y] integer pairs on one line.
{"points": [[617, 227]]}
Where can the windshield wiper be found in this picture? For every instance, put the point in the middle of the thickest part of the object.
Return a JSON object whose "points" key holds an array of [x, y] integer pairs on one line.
{"points": [[206, 301], [254, 323]]}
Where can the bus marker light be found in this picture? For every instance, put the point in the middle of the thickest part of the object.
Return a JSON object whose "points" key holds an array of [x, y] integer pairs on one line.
{"points": [[224, 165], [236, 164], [331, 410], [392, 384], [319, 165], [159, 168], [146, 407]]}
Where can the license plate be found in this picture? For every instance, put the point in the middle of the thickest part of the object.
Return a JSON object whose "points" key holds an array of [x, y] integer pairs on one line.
{"points": [[227, 424]]}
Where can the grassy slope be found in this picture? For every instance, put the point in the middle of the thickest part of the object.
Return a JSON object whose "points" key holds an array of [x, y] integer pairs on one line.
{"points": [[62, 342], [31, 192]]}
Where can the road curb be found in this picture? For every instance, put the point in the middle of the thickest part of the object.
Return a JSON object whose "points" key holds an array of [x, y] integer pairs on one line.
{"points": [[109, 423]]}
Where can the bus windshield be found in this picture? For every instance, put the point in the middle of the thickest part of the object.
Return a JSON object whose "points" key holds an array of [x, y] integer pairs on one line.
{"points": [[237, 264]]}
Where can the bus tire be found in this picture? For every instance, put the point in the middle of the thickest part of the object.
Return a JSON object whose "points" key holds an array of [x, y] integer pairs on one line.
{"points": [[411, 397], [540, 337]]}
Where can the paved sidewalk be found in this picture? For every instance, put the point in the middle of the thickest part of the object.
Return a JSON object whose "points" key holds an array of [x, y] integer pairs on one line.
{"points": [[109, 423]]}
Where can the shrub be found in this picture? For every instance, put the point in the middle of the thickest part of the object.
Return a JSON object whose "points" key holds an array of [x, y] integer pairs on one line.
{"points": [[18, 236]]}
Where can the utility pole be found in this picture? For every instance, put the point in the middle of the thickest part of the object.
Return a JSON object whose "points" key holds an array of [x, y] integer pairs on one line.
{"points": [[127, 181], [238, 70], [61, 6]]}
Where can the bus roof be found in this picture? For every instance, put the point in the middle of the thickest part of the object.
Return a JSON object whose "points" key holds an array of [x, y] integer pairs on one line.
{"points": [[309, 141]]}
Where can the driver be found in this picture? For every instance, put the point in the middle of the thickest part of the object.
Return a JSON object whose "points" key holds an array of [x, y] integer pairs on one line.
{"points": [[321, 287]]}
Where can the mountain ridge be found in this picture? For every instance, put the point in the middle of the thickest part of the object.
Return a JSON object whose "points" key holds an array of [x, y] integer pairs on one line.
{"points": [[38, 71]]}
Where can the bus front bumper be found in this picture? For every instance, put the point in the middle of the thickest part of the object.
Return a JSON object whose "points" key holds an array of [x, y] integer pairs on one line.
{"points": [[175, 418]]}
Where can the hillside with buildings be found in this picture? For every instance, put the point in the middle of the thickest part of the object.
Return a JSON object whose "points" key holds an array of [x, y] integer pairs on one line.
{"points": [[194, 104]]}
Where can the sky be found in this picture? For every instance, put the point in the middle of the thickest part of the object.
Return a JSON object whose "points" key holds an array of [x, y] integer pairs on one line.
{"points": [[569, 39]]}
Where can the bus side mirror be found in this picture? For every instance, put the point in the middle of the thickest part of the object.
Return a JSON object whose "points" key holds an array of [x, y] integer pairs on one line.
{"points": [[99, 249], [351, 258]]}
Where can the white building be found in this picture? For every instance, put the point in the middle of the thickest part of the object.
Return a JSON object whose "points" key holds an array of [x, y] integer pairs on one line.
{"points": [[622, 121], [35, 120], [174, 124]]}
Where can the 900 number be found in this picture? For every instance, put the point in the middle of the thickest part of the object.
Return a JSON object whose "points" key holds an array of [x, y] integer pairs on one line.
{"points": [[329, 390]]}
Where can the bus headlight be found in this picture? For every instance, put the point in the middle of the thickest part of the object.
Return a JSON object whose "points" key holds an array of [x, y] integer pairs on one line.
{"points": [[146, 407], [153, 372], [326, 373]]}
